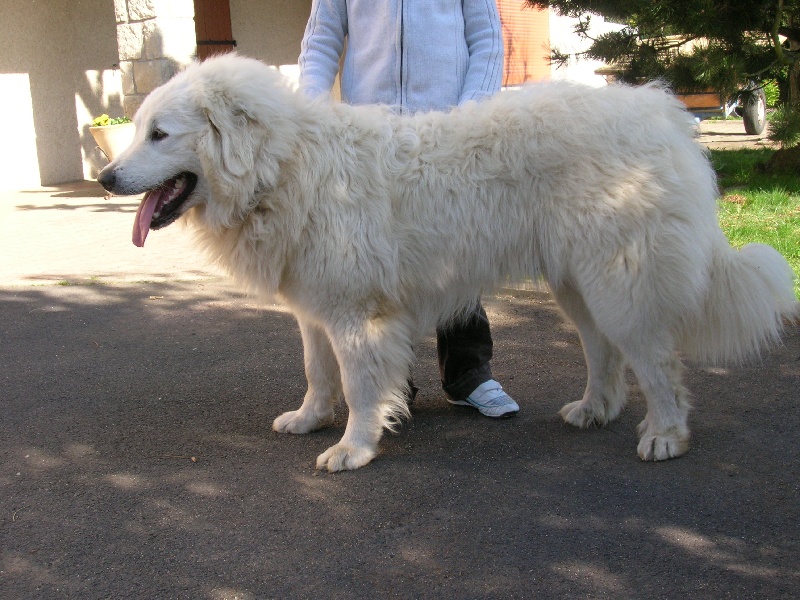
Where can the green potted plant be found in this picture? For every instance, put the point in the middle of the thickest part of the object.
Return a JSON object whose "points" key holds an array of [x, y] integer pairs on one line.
{"points": [[112, 135]]}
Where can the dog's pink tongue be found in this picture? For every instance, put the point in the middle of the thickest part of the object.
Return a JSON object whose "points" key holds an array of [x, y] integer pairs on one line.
{"points": [[144, 214]]}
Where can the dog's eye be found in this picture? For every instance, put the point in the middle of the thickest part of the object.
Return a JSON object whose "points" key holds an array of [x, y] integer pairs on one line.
{"points": [[157, 135]]}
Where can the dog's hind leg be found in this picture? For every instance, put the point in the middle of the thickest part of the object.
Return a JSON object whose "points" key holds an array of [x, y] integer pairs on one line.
{"points": [[649, 350], [324, 384], [606, 391], [374, 356], [664, 432]]}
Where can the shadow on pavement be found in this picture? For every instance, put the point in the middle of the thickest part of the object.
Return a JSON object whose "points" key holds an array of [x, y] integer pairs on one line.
{"points": [[138, 462]]}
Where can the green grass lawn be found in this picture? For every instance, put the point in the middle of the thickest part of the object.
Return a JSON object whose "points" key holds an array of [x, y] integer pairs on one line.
{"points": [[757, 207]]}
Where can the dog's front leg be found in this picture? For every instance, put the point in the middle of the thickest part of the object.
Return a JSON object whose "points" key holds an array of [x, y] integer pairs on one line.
{"points": [[324, 384], [374, 356]]}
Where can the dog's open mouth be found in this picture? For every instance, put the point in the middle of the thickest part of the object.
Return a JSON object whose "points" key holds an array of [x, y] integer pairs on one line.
{"points": [[160, 206]]}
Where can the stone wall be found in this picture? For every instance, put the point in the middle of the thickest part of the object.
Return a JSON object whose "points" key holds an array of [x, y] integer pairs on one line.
{"points": [[155, 38]]}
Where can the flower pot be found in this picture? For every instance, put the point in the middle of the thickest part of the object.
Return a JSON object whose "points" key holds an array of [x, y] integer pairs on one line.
{"points": [[113, 139]]}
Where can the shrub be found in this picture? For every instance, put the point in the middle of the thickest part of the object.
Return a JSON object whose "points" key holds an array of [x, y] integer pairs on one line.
{"points": [[784, 126]]}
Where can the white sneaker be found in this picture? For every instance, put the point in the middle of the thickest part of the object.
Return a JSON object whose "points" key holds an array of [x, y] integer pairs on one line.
{"points": [[490, 399]]}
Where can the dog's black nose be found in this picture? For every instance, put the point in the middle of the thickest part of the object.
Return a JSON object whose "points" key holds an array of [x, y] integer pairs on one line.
{"points": [[107, 178]]}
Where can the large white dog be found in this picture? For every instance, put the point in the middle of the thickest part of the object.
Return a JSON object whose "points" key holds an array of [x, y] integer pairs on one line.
{"points": [[373, 227]]}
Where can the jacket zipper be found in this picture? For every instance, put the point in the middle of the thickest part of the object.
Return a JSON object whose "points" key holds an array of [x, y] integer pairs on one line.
{"points": [[402, 38]]}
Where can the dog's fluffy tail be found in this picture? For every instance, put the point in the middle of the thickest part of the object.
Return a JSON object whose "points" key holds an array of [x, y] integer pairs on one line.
{"points": [[749, 299]]}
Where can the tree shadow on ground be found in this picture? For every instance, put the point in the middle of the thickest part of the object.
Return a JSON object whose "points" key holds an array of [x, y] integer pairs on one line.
{"points": [[138, 461]]}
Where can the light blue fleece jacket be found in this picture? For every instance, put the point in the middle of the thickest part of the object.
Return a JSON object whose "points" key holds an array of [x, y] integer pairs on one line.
{"points": [[414, 54]]}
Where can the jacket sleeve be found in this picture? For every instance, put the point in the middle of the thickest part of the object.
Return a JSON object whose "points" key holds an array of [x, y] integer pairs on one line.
{"points": [[322, 46], [484, 39]]}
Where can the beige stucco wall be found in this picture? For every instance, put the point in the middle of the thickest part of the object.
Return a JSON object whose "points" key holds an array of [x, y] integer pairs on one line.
{"points": [[270, 30], [59, 67], [56, 70]]}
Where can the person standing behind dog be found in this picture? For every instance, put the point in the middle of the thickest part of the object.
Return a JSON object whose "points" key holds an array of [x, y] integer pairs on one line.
{"points": [[417, 56]]}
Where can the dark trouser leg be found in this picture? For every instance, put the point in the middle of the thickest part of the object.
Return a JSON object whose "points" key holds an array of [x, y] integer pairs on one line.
{"points": [[465, 349]]}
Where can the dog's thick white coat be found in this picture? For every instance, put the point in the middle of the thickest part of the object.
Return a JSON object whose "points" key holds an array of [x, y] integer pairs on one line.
{"points": [[373, 227]]}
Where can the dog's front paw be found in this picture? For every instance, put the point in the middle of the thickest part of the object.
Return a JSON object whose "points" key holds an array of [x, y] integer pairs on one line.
{"points": [[344, 457], [582, 414], [299, 421], [662, 446]]}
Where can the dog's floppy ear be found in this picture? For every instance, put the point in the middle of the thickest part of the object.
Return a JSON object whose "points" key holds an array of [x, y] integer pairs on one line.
{"points": [[252, 117], [230, 144]]}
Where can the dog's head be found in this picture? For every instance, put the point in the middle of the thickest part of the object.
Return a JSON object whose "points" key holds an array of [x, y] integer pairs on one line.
{"points": [[210, 138]]}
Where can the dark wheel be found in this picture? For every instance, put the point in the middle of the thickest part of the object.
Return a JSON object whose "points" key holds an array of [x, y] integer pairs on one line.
{"points": [[754, 111]]}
